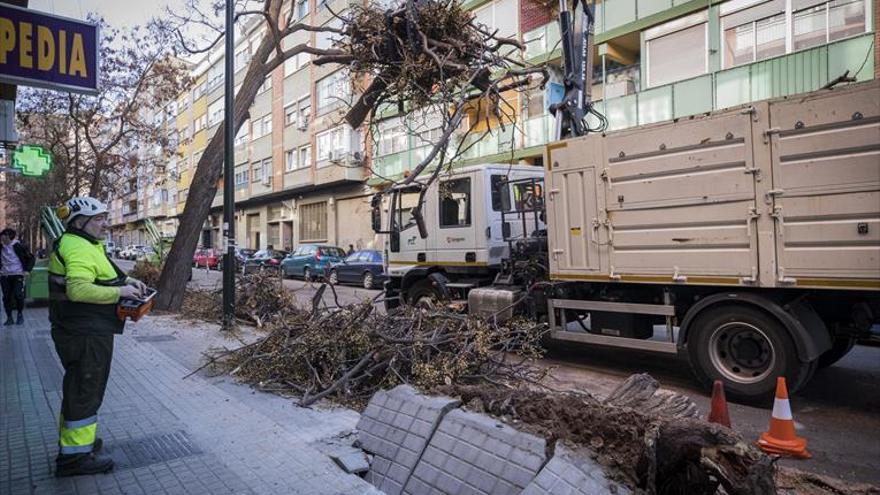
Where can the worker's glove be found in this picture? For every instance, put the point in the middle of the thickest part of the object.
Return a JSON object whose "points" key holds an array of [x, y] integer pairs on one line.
{"points": [[142, 287], [129, 292]]}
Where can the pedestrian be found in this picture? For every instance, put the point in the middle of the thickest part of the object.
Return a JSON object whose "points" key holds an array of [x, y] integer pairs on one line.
{"points": [[350, 250], [84, 288], [16, 263]]}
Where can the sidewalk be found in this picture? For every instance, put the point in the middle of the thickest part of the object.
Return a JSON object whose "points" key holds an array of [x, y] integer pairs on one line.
{"points": [[167, 435]]}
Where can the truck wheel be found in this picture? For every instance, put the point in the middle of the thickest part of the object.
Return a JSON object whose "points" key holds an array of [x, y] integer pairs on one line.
{"points": [[746, 349], [428, 292], [839, 347]]}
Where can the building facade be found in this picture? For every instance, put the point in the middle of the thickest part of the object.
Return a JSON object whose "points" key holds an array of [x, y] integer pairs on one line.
{"points": [[303, 176]]}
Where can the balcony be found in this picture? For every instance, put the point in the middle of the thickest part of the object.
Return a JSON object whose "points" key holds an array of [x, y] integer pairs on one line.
{"points": [[797, 72]]}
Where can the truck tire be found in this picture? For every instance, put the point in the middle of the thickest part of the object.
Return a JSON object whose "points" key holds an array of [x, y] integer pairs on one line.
{"points": [[428, 292], [746, 349], [839, 347]]}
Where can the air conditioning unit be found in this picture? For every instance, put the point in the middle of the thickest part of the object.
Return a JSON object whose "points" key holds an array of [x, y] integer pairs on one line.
{"points": [[303, 126], [333, 155], [267, 180]]}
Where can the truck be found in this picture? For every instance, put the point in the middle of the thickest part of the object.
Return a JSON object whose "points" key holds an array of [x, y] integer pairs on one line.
{"points": [[746, 240]]}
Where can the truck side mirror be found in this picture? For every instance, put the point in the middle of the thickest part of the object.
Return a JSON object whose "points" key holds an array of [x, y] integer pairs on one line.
{"points": [[376, 212], [394, 238]]}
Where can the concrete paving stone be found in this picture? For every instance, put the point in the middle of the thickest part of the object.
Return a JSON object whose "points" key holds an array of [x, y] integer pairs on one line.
{"points": [[573, 471], [147, 399]]}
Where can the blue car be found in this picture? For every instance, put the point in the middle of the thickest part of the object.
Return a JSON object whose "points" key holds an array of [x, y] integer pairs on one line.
{"points": [[311, 260], [364, 268]]}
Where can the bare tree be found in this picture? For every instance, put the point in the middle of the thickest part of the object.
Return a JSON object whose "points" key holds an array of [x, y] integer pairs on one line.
{"points": [[96, 140], [426, 53]]}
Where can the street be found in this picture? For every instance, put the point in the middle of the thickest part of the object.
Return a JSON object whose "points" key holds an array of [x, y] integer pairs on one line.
{"points": [[838, 412]]}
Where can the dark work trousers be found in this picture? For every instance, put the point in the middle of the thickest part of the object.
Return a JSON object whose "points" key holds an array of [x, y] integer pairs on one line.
{"points": [[86, 360], [13, 293]]}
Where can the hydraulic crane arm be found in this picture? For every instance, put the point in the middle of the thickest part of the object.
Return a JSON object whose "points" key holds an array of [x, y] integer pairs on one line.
{"points": [[576, 30]]}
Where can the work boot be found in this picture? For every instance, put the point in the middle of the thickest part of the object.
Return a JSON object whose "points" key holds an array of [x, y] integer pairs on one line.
{"points": [[20, 319], [9, 320], [79, 464]]}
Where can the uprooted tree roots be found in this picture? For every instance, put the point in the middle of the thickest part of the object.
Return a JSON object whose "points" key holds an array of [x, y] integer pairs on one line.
{"points": [[646, 440]]}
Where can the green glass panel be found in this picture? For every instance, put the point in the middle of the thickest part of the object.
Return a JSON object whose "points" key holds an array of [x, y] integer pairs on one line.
{"points": [[621, 112], [655, 105], [732, 87], [692, 96], [649, 7], [618, 13], [850, 55]]}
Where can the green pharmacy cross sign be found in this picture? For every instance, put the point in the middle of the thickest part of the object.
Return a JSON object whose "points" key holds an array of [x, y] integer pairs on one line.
{"points": [[33, 161]]}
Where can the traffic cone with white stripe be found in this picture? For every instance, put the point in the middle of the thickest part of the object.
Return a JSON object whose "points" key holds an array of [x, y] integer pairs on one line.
{"points": [[781, 438]]}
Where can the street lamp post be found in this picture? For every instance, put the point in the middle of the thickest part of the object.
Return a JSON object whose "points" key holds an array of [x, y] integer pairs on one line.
{"points": [[228, 172]]}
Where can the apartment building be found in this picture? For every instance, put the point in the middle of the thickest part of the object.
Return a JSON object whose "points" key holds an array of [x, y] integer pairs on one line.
{"points": [[657, 60], [301, 175]]}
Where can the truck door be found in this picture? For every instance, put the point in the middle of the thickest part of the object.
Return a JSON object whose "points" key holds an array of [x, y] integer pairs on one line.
{"points": [[825, 199], [453, 203], [574, 245]]}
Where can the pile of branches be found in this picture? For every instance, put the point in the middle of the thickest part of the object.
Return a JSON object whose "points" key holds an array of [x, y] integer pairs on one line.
{"points": [[260, 300], [147, 272], [348, 353]]}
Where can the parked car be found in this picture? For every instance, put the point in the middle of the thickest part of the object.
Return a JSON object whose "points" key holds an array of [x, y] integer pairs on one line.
{"points": [[364, 268], [110, 248], [311, 260], [131, 252], [241, 256], [206, 258], [263, 259], [145, 253]]}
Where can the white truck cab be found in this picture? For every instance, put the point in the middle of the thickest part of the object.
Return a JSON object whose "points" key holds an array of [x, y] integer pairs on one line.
{"points": [[465, 242]]}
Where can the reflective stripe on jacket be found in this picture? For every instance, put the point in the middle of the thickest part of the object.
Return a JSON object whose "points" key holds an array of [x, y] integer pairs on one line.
{"points": [[83, 287]]}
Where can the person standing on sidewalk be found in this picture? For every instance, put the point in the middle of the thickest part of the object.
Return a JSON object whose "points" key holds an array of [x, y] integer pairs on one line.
{"points": [[16, 262], [84, 288]]}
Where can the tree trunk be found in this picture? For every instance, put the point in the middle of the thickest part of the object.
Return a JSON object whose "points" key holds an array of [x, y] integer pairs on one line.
{"points": [[172, 283]]}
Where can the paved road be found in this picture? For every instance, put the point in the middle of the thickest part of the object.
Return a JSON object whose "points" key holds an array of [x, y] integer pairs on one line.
{"points": [[838, 411]]}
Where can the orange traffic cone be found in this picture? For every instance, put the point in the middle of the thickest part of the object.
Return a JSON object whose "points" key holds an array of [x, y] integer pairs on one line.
{"points": [[719, 414], [781, 438]]}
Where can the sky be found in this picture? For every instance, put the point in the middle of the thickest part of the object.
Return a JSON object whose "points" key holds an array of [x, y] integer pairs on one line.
{"points": [[118, 13]]}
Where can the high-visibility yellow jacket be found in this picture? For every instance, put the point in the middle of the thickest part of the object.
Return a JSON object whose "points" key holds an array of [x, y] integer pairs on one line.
{"points": [[83, 286]]}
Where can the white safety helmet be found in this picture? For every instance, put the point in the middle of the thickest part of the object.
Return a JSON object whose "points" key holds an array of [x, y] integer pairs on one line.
{"points": [[83, 206]]}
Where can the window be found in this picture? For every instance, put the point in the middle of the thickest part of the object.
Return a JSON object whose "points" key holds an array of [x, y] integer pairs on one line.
{"points": [[215, 75], [332, 90], [200, 123], [392, 137], [332, 144], [766, 29], [290, 160], [290, 113], [407, 199], [296, 63], [262, 171], [199, 91], [313, 222], [257, 174], [846, 18], [326, 39], [262, 126], [241, 178], [455, 203], [677, 50], [302, 9], [242, 136], [500, 15], [196, 157], [267, 84], [499, 189], [305, 157], [242, 57], [215, 112], [305, 111]]}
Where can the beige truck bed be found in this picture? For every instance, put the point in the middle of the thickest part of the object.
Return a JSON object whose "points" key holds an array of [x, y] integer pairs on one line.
{"points": [[782, 193]]}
